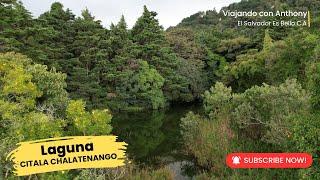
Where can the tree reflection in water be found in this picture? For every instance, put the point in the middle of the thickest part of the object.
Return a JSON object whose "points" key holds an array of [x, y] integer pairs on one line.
{"points": [[153, 137]]}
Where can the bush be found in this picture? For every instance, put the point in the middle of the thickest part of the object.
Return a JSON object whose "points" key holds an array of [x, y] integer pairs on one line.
{"points": [[305, 137], [260, 119], [209, 141], [263, 113]]}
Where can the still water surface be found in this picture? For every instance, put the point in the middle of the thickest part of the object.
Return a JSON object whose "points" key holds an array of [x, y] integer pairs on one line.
{"points": [[154, 138]]}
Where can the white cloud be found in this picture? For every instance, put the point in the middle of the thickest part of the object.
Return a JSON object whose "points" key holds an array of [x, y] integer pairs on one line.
{"points": [[170, 12]]}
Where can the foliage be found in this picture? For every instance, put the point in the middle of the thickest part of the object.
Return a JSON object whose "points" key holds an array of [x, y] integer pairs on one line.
{"points": [[313, 72], [268, 101], [147, 84], [209, 141], [98, 62], [217, 100], [14, 25], [237, 122], [52, 84], [305, 138], [294, 57], [264, 112], [33, 104], [150, 45], [192, 66], [84, 75], [97, 120], [21, 103], [21, 115]]}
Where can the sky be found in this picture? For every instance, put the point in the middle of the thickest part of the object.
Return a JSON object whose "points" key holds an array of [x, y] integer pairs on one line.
{"points": [[170, 12]]}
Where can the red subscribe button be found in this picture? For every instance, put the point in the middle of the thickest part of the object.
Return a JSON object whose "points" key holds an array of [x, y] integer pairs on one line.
{"points": [[269, 160]]}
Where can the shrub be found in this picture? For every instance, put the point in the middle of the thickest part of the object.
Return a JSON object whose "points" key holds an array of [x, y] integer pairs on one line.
{"points": [[260, 119], [209, 141]]}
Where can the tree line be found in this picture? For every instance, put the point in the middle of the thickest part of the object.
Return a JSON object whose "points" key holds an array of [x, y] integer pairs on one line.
{"points": [[122, 69]]}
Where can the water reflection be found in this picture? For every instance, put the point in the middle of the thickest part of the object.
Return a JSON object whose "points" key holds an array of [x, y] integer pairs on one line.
{"points": [[142, 131], [153, 137]]}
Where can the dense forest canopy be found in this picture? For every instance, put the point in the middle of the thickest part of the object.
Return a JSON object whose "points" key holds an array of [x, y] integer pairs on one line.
{"points": [[259, 85], [123, 69]]}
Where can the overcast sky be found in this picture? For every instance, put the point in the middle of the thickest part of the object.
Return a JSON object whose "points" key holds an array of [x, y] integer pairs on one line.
{"points": [[170, 12]]}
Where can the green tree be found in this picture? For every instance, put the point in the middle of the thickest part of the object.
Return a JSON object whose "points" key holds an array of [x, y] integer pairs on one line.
{"points": [[146, 85], [265, 112], [32, 106], [58, 25], [119, 39], [23, 96], [117, 69], [294, 57], [21, 118], [150, 45], [192, 66], [84, 80], [14, 26], [52, 85]]}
